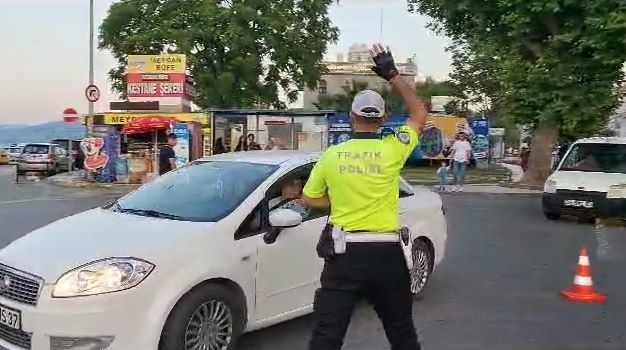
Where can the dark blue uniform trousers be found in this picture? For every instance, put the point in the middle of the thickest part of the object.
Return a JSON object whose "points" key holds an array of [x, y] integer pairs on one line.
{"points": [[375, 272]]}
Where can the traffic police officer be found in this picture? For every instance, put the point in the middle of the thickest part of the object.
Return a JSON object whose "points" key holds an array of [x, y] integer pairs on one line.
{"points": [[359, 180]]}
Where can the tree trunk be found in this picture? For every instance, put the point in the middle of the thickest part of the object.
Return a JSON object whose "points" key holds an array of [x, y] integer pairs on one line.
{"points": [[540, 158]]}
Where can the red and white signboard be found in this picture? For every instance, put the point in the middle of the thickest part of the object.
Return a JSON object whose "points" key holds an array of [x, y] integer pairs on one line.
{"points": [[70, 115], [158, 85]]}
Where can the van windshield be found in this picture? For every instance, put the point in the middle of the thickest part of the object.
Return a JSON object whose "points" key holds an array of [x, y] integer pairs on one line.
{"points": [[596, 157]]}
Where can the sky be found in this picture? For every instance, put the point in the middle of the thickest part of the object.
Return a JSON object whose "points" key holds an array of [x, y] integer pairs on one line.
{"points": [[46, 61]]}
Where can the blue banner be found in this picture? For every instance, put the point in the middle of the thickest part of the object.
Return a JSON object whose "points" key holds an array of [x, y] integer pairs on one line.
{"points": [[181, 150], [340, 129], [109, 152], [480, 139]]}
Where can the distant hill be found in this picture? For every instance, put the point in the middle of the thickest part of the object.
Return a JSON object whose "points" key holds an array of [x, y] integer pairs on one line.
{"points": [[40, 133]]}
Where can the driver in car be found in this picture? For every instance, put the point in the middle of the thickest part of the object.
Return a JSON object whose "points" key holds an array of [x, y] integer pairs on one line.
{"points": [[291, 197]]}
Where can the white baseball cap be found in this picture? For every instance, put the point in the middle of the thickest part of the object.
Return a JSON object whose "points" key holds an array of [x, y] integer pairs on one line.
{"points": [[368, 104]]}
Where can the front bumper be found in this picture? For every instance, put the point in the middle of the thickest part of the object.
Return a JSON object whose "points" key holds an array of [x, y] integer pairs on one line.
{"points": [[577, 203], [122, 316]]}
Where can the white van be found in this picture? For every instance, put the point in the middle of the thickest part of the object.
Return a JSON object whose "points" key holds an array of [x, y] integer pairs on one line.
{"points": [[590, 181]]}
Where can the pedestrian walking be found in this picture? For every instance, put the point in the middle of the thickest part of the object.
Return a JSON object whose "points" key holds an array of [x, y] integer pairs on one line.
{"points": [[524, 158], [461, 155], [442, 175], [167, 157], [359, 181]]}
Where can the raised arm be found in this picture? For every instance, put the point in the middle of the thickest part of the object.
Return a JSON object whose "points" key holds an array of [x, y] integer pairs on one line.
{"points": [[385, 68]]}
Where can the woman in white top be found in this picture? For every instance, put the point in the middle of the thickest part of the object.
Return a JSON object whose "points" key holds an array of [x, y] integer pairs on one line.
{"points": [[461, 155]]}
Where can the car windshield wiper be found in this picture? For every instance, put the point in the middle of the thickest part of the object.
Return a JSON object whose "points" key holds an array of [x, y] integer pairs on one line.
{"points": [[148, 212]]}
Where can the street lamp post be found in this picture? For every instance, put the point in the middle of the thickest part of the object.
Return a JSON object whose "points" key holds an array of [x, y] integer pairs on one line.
{"points": [[91, 82]]}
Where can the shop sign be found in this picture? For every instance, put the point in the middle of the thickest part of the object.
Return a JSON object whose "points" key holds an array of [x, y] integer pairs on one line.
{"points": [[123, 118], [172, 63], [158, 85]]}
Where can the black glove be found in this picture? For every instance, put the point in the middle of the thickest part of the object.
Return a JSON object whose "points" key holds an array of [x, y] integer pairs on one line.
{"points": [[384, 65]]}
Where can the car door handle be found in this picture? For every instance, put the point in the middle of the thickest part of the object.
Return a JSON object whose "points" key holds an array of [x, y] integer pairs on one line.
{"points": [[246, 257]]}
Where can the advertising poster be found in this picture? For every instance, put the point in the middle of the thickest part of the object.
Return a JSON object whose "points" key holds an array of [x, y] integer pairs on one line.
{"points": [[102, 151], [181, 150], [438, 134], [480, 138]]}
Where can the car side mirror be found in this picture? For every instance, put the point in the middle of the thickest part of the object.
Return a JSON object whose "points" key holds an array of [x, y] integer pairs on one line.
{"points": [[285, 218]]}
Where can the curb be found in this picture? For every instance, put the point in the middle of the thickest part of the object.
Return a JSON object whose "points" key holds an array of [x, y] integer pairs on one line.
{"points": [[84, 184], [522, 186]]}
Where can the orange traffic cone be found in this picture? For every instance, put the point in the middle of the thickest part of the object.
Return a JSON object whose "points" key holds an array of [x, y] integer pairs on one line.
{"points": [[583, 291]]}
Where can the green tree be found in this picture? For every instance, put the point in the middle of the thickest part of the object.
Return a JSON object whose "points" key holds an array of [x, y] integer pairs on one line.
{"points": [[555, 63], [393, 103], [430, 87], [241, 53], [342, 102]]}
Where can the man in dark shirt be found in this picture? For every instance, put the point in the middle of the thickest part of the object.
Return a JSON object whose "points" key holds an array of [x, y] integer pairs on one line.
{"points": [[167, 158]]}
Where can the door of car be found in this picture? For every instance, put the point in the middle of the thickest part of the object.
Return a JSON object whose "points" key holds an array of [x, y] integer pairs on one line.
{"points": [[288, 269]]}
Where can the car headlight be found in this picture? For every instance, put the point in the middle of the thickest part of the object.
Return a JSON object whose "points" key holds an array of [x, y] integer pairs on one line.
{"points": [[617, 191], [103, 276], [550, 186]]}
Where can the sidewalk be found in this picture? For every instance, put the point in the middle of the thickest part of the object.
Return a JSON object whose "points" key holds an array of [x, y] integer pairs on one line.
{"points": [[494, 182], [491, 188], [76, 179]]}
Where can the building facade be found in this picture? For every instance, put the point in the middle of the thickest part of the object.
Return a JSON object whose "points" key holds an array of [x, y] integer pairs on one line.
{"points": [[357, 68]]}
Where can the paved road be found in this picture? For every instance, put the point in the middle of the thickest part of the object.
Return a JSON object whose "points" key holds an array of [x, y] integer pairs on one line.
{"points": [[496, 289]]}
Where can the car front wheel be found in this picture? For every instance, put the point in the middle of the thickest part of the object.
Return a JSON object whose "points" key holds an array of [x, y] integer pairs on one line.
{"points": [[209, 317], [423, 262]]}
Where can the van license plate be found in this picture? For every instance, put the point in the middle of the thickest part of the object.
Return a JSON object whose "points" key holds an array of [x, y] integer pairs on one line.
{"points": [[573, 203], [10, 317]]}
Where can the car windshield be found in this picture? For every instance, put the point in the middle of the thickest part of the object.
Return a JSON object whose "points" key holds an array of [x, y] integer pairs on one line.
{"points": [[202, 191], [596, 157], [36, 149]]}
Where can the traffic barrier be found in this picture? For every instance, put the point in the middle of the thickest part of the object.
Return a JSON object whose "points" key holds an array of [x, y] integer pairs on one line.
{"points": [[583, 291]]}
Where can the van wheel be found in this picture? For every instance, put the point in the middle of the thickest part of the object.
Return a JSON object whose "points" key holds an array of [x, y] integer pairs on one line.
{"points": [[551, 216], [422, 268], [208, 317]]}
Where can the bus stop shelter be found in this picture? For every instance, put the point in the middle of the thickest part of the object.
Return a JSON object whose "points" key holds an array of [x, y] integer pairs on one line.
{"points": [[294, 129]]}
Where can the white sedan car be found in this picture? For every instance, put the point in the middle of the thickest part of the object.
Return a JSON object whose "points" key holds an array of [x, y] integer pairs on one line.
{"points": [[182, 262]]}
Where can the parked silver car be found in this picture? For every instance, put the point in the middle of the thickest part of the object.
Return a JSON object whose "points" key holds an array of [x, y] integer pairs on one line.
{"points": [[47, 158]]}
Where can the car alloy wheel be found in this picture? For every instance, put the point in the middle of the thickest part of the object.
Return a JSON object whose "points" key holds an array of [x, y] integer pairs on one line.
{"points": [[421, 267], [210, 327]]}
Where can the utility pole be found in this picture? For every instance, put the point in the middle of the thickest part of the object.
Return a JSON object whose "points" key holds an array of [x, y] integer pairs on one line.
{"points": [[91, 25]]}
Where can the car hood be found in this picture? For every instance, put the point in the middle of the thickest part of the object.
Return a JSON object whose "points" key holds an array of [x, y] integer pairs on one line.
{"points": [[587, 181], [54, 249]]}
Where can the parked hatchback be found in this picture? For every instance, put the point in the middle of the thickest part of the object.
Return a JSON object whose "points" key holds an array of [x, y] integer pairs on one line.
{"points": [[46, 158]]}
